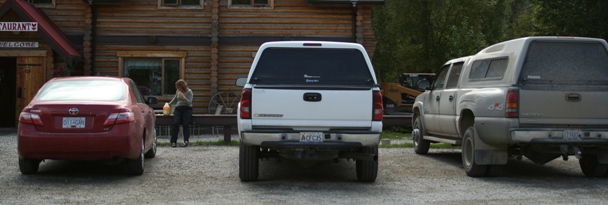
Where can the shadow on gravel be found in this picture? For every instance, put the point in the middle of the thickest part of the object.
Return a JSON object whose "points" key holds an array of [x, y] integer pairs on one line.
{"points": [[285, 170], [79, 172], [514, 168], [450, 158]]}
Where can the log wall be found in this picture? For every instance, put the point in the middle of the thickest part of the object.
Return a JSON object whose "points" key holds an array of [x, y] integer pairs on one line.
{"points": [[220, 41]]}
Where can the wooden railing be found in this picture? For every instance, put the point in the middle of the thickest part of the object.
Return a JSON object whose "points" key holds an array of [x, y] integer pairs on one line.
{"points": [[227, 121]]}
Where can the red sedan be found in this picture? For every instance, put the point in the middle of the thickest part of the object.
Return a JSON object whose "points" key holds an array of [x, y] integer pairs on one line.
{"points": [[87, 118]]}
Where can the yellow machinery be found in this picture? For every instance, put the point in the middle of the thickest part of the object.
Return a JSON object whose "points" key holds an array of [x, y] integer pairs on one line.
{"points": [[399, 97]]}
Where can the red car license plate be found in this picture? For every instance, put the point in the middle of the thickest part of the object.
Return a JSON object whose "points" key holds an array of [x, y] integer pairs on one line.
{"points": [[73, 122]]}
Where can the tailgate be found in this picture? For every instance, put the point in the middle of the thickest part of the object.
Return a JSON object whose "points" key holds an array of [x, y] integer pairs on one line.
{"points": [[563, 107], [311, 109]]}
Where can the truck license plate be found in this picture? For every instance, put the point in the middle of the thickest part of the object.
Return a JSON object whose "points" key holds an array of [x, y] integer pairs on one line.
{"points": [[311, 137], [572, 135], [73, 122]]}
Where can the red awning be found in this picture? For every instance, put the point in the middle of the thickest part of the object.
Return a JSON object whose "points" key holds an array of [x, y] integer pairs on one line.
{"points": [[46, 28]]}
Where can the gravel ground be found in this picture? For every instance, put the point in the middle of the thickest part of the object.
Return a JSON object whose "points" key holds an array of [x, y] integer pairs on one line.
{"points": [[209, 175]]}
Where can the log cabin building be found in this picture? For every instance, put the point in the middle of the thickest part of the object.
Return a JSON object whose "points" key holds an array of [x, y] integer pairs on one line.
{"points": [[209, 43]]}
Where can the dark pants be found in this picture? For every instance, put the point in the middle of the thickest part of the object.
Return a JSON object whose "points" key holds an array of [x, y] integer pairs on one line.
{"points": [[182, 115]]}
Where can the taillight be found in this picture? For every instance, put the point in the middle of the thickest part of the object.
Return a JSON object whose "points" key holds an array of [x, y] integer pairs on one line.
{"points": [[511, 110], [245, 111], [378, 107], [119, 118], [29, 118]]}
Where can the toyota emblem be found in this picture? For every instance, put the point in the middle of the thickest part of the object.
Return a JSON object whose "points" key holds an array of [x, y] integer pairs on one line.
{"points": [[73, 111]]}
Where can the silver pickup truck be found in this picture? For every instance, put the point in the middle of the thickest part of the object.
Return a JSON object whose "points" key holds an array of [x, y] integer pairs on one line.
{"points": [[538, 97], [310, 101]]}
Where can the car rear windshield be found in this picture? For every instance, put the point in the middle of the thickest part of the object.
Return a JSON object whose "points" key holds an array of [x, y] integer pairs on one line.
{"points": [[307, 66], [565, 63], [83, 90]]}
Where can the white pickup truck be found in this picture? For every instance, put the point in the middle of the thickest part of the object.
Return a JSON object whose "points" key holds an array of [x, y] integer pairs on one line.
{"points": [[310, 101], [538, 97]]}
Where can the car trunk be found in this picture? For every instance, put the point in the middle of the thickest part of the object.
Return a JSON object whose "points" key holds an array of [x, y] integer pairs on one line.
{"points": [[564, 84], [61, 118]]}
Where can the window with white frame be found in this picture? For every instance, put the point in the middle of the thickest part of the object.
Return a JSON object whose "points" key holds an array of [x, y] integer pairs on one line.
{"points": [[251, 3], [154, 76], [182, 4], [43, 3]]}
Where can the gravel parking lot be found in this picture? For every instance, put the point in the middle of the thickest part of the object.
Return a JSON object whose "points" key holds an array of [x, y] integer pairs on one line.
{"points": [[209, 175]]}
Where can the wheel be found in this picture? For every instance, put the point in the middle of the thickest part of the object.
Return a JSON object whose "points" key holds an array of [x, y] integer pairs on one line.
{"points": [[136, 166], [367, 171], [227, 100], [468, 155], [152, 152], [28, 166], [421, 146], [249, 162], [591, 167]]}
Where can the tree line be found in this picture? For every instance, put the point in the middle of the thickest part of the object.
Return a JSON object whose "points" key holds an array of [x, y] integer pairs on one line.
{"points": [[421, 35]]}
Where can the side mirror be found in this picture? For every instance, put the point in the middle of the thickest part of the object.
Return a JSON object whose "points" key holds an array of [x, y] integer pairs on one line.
{"points": [[424, 84], [151, 100], [241, 82]]}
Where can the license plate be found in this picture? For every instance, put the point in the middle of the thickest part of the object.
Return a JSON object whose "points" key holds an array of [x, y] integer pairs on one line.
{"points": [[73, 122], [311, 137], [572, 134]]}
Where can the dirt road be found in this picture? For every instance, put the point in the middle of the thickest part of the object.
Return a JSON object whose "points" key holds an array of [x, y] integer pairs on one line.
{"points": [[209, 175]]}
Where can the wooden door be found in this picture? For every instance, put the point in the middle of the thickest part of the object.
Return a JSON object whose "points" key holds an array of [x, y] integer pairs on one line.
{"points": [[30, 77]]}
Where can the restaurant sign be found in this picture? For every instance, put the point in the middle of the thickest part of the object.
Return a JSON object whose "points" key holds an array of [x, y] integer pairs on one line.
{"points": [[8, 44], [18, 26]]}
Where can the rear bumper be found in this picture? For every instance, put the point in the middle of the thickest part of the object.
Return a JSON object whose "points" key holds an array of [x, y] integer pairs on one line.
{"points": [[78, 146], [291, 139], [585, 137]]}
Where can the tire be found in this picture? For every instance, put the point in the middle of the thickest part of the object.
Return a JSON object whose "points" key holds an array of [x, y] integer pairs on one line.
{"points": [[249, 162], [591, 167], [468, 155], [421, 146], [367, 171], [28, 166], [136, 166], [152, 152]]}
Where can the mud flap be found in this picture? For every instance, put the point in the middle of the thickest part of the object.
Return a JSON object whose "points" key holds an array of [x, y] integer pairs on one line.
{"points": [[486, 154]]}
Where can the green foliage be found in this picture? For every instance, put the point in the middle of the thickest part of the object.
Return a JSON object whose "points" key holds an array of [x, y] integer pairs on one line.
{"points": [[396, 135], [421, 35], [586, 18]]}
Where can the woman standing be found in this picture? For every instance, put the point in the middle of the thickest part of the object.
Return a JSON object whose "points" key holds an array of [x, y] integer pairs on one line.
{"points": [[183, 112]]}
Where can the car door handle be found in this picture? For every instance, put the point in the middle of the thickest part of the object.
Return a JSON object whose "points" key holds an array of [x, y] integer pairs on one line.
{"points": [[451, 98], [437, 98]]}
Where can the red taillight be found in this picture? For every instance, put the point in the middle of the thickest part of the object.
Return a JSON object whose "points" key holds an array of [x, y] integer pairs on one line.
{"points": [[118, 118], [511, 107], [378, 107], [29, 118], [245, 111]]}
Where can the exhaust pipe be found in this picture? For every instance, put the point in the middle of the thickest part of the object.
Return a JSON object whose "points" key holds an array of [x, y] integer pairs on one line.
{"points": [[359, 156]]}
